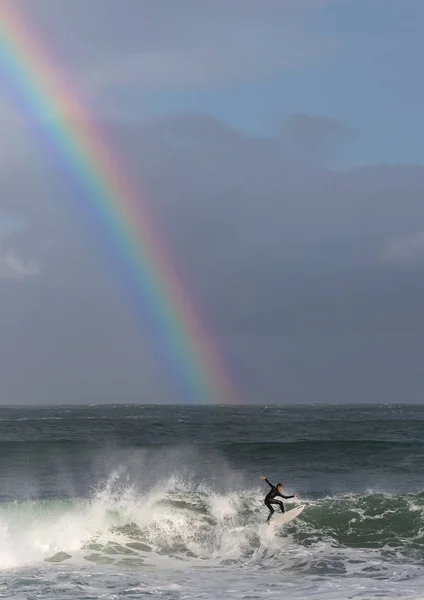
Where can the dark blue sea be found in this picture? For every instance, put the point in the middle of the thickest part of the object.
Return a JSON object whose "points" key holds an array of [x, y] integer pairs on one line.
{"points": [[167, 502]]}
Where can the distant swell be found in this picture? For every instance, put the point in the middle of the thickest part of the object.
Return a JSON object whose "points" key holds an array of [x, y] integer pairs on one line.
{"points": [[252, 448]]}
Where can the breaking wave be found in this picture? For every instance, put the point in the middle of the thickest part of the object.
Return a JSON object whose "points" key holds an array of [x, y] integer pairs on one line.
{"points": [[181, 520]]}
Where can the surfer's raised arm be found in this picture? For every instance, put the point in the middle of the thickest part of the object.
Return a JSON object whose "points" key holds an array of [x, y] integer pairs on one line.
{"points": [[268, 482]]}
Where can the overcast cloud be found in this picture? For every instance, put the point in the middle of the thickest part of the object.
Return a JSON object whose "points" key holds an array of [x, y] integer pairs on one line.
{"points": [[311, 274]]}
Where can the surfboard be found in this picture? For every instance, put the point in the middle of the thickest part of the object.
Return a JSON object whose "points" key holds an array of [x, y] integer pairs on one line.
{"points": [[289, 515]]}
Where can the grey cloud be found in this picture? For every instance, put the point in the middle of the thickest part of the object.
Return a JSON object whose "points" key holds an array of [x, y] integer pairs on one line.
{"points": [[283, 255], [406, 250], [314, 137], [145, 45], [13, 267]]}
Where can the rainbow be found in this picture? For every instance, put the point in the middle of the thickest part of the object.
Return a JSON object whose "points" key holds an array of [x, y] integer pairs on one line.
{"points": [[185, 349]]}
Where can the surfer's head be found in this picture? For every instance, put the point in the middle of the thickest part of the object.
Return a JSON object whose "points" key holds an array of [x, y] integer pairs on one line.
{"points": [[280, 486]]}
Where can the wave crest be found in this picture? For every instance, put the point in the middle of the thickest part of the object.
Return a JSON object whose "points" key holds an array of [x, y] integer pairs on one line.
{"points": [[184, 521]]}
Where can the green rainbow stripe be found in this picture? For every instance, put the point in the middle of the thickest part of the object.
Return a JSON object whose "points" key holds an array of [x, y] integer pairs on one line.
{"points": [[53, 104]]}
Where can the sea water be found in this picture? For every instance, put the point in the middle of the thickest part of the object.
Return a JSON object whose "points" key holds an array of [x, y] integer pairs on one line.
{"points": [[166, 502]]}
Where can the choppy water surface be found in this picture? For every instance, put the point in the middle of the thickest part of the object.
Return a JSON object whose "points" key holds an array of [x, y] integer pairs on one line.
{"points": [[166, 502]]}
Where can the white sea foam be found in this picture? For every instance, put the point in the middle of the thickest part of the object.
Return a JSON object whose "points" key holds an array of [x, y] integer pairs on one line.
{"points": [[204, 543]]}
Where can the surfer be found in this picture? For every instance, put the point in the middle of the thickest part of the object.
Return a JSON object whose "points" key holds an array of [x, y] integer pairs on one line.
{"points": [[272, 494]]}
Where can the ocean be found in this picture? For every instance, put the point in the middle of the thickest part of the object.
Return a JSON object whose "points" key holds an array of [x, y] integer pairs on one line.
{"points": [[166, 502]]}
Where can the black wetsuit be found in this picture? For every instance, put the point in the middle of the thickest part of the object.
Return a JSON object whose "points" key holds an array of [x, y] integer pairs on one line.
{"points": [[270, 499]]}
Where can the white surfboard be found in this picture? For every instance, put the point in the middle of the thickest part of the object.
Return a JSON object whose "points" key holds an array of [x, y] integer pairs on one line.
{"points": [[288, 516]]}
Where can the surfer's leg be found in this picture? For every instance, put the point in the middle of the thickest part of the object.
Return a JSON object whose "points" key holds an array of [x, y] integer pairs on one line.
{"points": [[271, 511], [278, 503]]}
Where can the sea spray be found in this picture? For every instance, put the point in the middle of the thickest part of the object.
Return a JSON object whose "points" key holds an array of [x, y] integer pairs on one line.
{"points": [[184, 520]]}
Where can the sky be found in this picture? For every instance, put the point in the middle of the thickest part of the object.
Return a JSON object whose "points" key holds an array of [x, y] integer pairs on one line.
{"points": [[279, 145]]}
